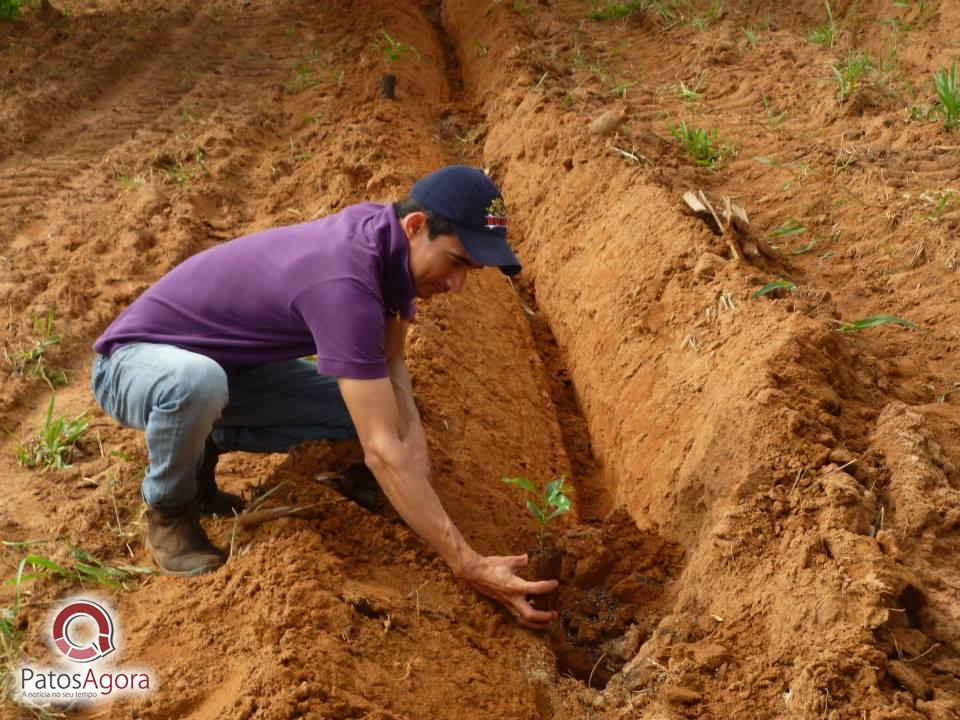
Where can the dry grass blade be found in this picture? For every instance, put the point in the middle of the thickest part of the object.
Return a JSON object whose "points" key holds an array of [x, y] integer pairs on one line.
{"points": [[255, 518]]}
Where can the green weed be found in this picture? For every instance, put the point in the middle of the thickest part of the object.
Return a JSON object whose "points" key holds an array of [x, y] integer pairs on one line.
{"points": [[874, 321], [554, 502], [85, 568], [773, 121], [55, 444], [33, 360], [848, 73], [10, 9], [480, 49], [941, 205], [791, 227], [179, 173], [690, 93], [799, 170], [132, 182], [704, 146], [948, 96], [827, 34], [670, 12], [620, 88], [702, 22], [393, 49], [301, 80], [773, 286], [615, 11]]}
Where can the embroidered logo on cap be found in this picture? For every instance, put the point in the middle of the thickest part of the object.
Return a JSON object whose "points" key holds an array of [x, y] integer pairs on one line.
{"points": [[496, 214]]}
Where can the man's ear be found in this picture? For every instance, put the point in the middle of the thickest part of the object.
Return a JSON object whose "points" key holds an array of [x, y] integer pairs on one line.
{"points": [[413, 224]]}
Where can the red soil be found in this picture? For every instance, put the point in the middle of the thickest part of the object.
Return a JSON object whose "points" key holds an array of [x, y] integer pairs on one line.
{"points": [[725, 557]]}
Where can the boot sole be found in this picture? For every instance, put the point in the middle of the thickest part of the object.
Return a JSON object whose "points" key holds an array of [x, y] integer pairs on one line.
{"points": [[202, 570]]}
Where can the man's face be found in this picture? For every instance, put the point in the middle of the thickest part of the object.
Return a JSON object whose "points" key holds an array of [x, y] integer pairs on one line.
{"points": [[439, 265]]}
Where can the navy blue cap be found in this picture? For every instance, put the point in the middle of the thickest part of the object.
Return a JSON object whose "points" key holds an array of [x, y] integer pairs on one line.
{"points": [[474, 204]]}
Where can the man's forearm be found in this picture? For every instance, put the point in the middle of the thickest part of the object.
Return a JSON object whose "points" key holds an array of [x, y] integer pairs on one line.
{"points": [[406, 483]]}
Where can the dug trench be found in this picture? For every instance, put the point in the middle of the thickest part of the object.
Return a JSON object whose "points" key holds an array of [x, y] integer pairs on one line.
{"points": [[335, 611], [724, 557]]}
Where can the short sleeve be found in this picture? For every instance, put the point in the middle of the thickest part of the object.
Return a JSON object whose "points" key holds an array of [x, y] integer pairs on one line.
{"points": [[347, 321]]}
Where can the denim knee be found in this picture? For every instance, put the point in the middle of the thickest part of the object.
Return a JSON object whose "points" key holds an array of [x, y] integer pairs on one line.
{"points": [[199, 385]]}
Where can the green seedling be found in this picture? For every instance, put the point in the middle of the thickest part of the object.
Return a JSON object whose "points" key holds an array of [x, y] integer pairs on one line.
{"points": [[850, 72], [552, 503], [539, 84], [301, 80], [751, 35], [55, 444], [773, 286], [704, 146], [10, 9], [805, 248], [33, 360], [690, 93], [668, 11], [620, 88], [132, 182], [941, 207], [616, 10], [393, 49], [791, 227], [948, 96], [825, 35], [773, 121], [702, 22], [874, 321], [800, 170]]}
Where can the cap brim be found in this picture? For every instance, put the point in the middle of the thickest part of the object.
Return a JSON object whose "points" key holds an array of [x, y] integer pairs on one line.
{"points": [[488, 248]]}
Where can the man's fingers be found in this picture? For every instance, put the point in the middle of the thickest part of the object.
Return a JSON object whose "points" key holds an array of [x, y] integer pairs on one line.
{"points": [[517, 561], [540, 587], [531, 617]]}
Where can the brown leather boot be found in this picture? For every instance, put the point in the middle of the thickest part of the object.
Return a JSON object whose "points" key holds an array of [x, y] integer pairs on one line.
{"points": [[178, 543]]}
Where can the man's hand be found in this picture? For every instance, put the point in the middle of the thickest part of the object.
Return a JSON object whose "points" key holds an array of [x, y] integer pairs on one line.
{"points": [[495, 576]]}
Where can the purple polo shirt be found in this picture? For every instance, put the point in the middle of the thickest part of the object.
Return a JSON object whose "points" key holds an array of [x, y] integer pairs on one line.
{"points": [[322, 287]]}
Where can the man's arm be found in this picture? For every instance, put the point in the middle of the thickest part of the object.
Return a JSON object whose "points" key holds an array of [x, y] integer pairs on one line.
{"points": [[389, 429]]}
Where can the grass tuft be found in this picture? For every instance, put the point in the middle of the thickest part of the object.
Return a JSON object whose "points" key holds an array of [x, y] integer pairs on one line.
{"points": [[948, 96], [54, 445], [848, 73], [32, 360], [827, 34], [704, 146]]}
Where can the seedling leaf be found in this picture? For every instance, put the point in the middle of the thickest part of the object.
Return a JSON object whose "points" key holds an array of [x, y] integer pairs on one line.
{"points": [[774, 285], [874, 321], [536, 512], [791, 227], [521, 482], [553, 489]]}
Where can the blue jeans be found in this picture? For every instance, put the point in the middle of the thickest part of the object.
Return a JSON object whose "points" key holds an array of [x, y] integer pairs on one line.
{"points": [[179, 397]]}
